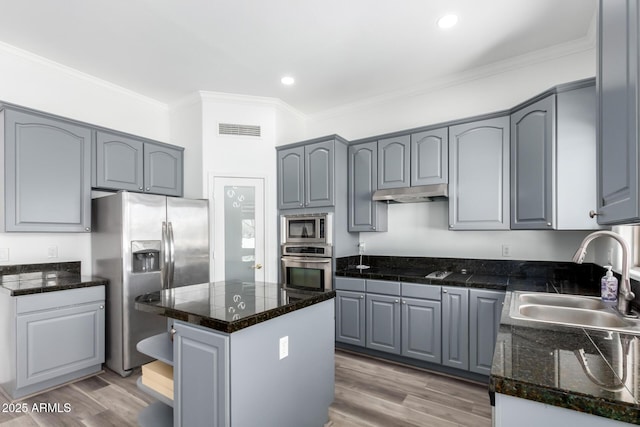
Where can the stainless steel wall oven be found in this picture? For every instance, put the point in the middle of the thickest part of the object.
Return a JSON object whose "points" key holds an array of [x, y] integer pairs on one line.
{"points": [[308, 267]]}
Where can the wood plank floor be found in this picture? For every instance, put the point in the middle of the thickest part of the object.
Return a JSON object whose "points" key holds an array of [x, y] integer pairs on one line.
{"points": [[368, 392]]}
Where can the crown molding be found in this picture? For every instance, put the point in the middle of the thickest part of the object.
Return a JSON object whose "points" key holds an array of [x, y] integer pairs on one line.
{"points": [[250, 100], [72, 72], [543, 55]]}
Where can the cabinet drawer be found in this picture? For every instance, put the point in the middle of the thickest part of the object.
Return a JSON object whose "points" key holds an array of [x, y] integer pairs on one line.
{"points": [[383, 287], [49, 300], [349, 284], [416, 290]]}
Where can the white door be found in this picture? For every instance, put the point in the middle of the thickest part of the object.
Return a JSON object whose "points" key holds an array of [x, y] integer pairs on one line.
{"points": [[238, 229]]}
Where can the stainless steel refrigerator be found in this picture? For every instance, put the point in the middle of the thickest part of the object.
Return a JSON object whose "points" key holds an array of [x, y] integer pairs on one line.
{"points": [[143, 243]]}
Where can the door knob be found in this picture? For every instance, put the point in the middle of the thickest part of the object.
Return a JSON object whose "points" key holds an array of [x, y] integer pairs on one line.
{"points": [[257, 267]]}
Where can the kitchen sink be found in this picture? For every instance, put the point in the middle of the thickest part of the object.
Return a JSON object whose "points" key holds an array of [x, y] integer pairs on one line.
{"points": [[570, 310]]}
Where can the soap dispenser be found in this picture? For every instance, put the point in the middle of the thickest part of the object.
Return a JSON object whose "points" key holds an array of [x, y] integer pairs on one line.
{"points": [[609, 286]]}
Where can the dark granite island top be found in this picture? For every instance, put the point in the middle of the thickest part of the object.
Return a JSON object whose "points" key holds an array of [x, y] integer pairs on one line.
{"points": [[590, 371], [228, 306]]}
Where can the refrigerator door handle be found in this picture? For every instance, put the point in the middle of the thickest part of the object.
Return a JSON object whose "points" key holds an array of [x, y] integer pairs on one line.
{"points": [[164, 264], [172, 255]]}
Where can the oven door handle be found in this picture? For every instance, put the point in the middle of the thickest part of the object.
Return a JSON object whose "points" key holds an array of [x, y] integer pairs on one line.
{"points": [[307, 260]]}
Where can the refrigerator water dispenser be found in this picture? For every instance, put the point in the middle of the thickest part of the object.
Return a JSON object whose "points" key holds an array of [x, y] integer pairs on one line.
{"points": [[145, 256]]}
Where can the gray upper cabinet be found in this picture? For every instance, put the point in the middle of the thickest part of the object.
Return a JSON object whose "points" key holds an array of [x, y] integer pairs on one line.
{"points": [[291, 178], [532, 148], [430, 157], [618, 91], [119, 162], [455, 327], [485, 309], [47, 163], [553, 159], [479, 175], [127, 163], [393, 162], [305, 176], [364, 213], [319, 174], [162, 170]]}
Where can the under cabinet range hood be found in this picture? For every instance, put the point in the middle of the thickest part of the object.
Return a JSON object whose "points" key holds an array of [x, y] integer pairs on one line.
{"points": [[423, 193]]}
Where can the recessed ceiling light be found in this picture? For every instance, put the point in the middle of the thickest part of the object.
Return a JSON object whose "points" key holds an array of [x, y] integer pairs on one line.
{"points": [[448, 21], [287, 80]]}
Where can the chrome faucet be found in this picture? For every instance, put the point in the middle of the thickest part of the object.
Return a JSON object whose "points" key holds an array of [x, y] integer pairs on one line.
{"points": [[624, 290]]}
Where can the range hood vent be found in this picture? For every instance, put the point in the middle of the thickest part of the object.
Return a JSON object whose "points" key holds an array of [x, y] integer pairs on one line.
{"points": [[239, 130], [423, 193]]}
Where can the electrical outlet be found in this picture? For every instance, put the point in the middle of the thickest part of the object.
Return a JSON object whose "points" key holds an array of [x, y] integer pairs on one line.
{"points": [[506, 251], [284, 347], [4, 254], [52, 252]]}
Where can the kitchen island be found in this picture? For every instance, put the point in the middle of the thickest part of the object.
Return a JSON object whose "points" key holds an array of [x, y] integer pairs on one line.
{"points": [[243, 354]]}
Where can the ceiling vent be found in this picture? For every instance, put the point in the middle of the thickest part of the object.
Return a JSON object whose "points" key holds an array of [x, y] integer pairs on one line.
{"points": [[238, 130]]}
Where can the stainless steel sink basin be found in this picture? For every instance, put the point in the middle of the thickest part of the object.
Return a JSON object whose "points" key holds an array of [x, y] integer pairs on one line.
{"points": [[570, 310], [576, 301]]}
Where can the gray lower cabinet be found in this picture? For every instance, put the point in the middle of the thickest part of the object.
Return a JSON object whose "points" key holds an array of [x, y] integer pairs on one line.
{"points": [[51, 338], [422, 329], [306, 175], [350, 317], [485, 309], [479, 175], [47, 162], [393, 162], [430, 157], [455, 327], [553, 156], [364, 214], [134, 164], [383, 323], [199, 354], [618, 79]]}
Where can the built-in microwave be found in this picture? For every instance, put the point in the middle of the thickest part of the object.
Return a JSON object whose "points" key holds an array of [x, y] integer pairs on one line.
{"points": [[307, 228]]}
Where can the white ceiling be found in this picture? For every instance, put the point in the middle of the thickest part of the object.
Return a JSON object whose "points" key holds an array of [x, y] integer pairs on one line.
{"points": [[339, 51]]}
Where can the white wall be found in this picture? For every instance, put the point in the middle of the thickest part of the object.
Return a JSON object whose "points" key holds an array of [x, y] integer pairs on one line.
{"points": [[422, 229], [186, 131], [34, 82], [238, 156]]}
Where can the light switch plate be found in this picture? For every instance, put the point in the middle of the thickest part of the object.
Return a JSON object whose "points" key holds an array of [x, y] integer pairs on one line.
{"points": [[284, 347]]}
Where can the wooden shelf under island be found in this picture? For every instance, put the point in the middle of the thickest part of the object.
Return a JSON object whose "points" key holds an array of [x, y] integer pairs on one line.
{"points": [[243, 354]]}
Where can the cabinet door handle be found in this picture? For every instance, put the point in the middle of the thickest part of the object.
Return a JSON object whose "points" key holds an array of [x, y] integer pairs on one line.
{"points": [[102, 307], [361, 296], [87, 229], [396, 301], [593, 214], [140, 188], [148, 189], [404, 302], [445, 291]]}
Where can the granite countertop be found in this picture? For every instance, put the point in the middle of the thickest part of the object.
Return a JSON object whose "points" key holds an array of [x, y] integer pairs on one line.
{"points": [[35, 282], [418, 275], [228, 306], [541, 362]]}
